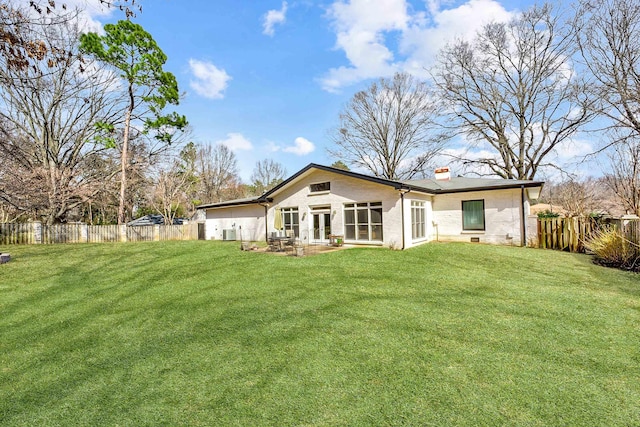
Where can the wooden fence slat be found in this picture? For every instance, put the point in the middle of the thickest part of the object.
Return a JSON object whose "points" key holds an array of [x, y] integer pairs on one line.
{"points": [[569, 234]]}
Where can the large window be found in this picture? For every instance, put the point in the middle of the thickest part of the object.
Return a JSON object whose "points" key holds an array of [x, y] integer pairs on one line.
{"points": [[473, 215], [363, 221], [290, 220], [417, 220]]}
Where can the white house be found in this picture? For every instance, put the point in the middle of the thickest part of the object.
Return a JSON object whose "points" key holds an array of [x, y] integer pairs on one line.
{"points": [[320, 201]]}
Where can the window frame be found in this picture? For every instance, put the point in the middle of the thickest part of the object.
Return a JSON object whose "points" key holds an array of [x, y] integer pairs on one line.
{"points": [[288, 216], [469, 227], [321, 190], [418, 220], [372, 228]]}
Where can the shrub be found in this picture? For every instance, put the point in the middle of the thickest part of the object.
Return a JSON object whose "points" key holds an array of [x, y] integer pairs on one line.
{"points": [[548, 214], [610, 248]]}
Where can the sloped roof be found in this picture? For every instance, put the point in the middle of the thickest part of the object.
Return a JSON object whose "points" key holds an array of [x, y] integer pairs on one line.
{"points": [[308, 169], [429, 186], [235, 202], [462, 184]]}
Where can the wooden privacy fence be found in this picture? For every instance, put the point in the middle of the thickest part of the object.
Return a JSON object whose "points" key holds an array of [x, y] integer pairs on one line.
{"points": [[631, 231], [16, 234], [569, 234], [565, 234], [37, 233]]}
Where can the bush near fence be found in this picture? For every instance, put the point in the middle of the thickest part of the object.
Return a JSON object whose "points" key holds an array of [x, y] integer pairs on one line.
{"points": [[37, 233]]}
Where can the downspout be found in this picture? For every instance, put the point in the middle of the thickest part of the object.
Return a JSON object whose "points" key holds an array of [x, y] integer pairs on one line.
{"points": [[266, 222], [523, 227], [403, 191]]}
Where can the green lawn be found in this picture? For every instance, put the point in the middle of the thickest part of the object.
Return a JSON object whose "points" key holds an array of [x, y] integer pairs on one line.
{"points": [[200, 333]]}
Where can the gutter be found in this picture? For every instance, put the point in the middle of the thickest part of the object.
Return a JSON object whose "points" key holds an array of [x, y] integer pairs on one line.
{"points": [[266, 223]]}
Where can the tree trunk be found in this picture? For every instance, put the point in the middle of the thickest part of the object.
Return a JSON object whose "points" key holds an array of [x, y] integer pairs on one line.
{"points": [[124, 158]]}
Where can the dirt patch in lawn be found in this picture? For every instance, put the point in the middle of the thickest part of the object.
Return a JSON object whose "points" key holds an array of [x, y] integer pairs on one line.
{"points": [[306, 250]]}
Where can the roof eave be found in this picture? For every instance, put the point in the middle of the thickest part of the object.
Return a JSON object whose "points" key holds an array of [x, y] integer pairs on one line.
{"points": [[230, 204], [491, 187]]}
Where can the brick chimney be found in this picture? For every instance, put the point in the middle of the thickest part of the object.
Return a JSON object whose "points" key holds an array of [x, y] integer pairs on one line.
{"points": [[443, 174]]}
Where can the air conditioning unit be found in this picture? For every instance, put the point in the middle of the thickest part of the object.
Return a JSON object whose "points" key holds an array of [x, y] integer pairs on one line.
{"points": [[229, 234]]}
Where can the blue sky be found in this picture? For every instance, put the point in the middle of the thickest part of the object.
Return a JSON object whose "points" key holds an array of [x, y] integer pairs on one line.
{"points": [[269, 78]]}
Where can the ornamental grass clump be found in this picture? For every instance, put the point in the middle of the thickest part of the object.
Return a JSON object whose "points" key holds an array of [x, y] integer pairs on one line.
{"points": [[610, 248]]}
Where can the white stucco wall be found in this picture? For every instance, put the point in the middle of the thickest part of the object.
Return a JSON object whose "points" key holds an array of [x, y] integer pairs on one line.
{"points": [[408, 198], [502, 217], [344, 189], [532, 230], [248, 219]]}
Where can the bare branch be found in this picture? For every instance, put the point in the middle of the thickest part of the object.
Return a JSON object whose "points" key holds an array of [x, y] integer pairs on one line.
{"points": [[389, 129], [512, 91]]}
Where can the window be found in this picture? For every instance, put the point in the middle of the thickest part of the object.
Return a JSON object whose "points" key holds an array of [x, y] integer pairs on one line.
{"points": [[417, 220], [321, 186], [363, 221], [290, 220], [473, 215]]}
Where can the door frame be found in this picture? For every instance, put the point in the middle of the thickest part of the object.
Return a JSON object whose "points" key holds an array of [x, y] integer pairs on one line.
{"points": [[323, 214]]}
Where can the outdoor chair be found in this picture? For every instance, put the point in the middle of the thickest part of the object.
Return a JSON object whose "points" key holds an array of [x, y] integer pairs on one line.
{"points": [[289, 243]]}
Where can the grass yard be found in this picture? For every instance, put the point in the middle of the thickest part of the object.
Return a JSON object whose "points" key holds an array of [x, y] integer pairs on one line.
{"points": [[200, 333]]}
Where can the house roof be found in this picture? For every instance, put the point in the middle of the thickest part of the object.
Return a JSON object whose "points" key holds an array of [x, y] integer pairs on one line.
{"points": [[428, 186], [235, 202], [462, 184], [153, 219], [311, 166]]}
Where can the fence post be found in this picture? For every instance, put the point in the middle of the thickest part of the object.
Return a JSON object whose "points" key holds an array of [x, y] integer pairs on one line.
{"points": [[37, 232], [156, 233], [123, 232], [84, 233]]}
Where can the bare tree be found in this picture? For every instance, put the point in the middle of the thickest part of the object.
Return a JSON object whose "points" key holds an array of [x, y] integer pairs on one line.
{"points": [[170, 193], [217, 173], [21, 47], [130, 8], [22, 27], [624, 178], [266, 175], [48, 138], [579, 197], [610, 44], [513, 93], [389, 128]]}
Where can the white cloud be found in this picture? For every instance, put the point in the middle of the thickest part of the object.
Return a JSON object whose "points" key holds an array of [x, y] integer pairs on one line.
{"points": [[236, 142], [210, 81], [574, 149], [272, 147], [301, 146], [362, 28], [274, 17], [422, 41], [369, 15]]}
